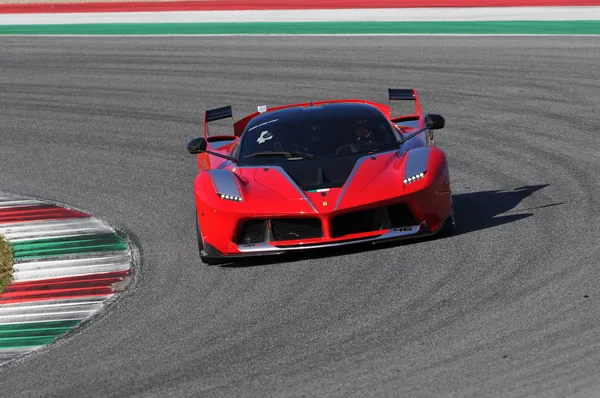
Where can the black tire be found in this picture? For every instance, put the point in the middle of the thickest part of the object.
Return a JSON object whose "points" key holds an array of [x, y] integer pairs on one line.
{"points": [[199, 236], [449, 224], [212, 261], [205, 259]]}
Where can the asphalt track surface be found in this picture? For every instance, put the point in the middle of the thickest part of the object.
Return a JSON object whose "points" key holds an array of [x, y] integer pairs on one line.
{"points": [[509, 306]]}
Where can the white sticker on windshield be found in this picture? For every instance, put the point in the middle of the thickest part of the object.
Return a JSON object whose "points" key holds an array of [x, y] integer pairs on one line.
{"points": [[262, 124], [265, 135]]}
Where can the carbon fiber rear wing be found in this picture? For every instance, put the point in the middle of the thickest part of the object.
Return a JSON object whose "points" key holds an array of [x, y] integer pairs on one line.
{"points": [[401, 93], [212, 115], [218, 113], [406, 94]]}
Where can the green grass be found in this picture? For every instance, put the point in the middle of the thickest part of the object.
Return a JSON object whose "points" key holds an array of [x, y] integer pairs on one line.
{"points": [[5, 264]]}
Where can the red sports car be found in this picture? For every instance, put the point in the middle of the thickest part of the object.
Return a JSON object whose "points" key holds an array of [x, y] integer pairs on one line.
{"points": [[317, 175]]}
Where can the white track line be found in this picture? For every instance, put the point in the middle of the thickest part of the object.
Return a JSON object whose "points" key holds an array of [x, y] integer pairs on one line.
{"points": [[332, 15], [24, 276], [69, 301], [46, 317], [9, 353], [11, 200], [5, 196], [19, 202], [35, 269], [39, 230], [37, 308], [12, 352]]}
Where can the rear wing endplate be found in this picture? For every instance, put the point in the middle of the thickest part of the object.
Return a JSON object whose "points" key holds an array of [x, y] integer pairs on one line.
{"points": [[218, 113], [406, 94], [212, 115]]}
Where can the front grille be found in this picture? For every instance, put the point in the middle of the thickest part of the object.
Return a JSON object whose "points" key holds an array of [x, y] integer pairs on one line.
{"points": [[264, 230], [400, 216], [253, 231], [379, 218], [296, 228], [356, 222]]}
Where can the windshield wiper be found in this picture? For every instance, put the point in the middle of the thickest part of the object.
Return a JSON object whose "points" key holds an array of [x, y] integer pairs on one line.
{"points": [[283, 152]]}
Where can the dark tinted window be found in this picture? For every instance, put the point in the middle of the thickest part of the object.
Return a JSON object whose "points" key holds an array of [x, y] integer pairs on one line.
{"points": [[321, 131]]}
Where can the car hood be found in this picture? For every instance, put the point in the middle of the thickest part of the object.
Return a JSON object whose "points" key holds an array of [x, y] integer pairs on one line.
{"points": [[362, 181]]}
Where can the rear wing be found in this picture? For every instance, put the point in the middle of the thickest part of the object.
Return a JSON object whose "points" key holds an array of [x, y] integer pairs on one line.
{"points": [[225, 112], [213, 115], [406, 94], [218, 114]]}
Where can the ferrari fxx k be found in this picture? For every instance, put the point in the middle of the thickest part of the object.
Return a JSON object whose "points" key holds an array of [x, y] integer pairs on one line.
{"points": [[316, 175]]}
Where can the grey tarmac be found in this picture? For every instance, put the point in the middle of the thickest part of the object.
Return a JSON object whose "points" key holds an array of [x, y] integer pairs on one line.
{"points": [[508, 306]]}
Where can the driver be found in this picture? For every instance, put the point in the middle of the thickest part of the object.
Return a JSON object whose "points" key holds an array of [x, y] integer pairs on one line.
{"points": [[362, 130], [364, 138], [364, 133]]}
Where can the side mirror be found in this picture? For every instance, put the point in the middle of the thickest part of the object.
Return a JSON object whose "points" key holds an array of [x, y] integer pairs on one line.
{"points": [[197, 145], [434, 122]]}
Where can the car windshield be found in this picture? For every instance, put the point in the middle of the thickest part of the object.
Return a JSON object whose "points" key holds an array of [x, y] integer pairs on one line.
{"points": [[316, 132]]}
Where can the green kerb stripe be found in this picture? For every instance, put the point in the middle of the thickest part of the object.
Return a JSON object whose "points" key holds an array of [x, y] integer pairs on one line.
{"points": [[49, 332], [68, 245], [33, 334], [38, 325], [429, 27], [22, 342]]}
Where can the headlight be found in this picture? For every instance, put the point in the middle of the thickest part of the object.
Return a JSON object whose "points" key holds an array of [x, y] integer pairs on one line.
{"points": [[230, 197], [414, 178]]}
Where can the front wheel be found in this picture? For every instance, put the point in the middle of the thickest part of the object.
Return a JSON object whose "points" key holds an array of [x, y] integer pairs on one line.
{"points": [[205, 259], [449, 224]]}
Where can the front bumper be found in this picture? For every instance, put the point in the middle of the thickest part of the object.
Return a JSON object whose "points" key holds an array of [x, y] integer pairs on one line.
{"points": [[265, 247], [269, 248]]}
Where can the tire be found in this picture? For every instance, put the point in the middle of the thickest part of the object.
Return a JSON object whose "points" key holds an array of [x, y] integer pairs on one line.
{"points": [[205, 259], [449, 224], [212, 261], [199, 236]]}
